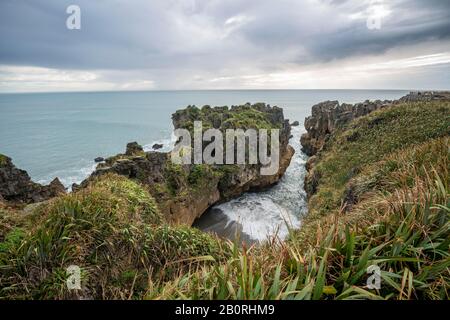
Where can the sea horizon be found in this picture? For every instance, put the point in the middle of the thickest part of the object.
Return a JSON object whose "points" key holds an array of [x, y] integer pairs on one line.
{"points": [[237, 89]]}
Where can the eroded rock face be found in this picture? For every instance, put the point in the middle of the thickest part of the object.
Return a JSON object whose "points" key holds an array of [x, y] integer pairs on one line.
{"points": [[327, 116], [425, 96], [16, 186], [185, 192]]}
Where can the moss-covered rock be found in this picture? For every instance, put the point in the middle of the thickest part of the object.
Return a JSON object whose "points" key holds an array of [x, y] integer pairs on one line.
{"points": [[184, 192]]}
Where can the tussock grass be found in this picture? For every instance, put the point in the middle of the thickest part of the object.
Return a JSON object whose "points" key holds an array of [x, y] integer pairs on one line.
{"points": [[409, 242], [112, 229], [398, 220]]}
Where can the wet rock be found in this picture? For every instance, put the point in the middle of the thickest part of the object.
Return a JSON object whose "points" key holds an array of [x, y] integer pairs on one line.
{"points": [[75, 187], [295, 124], [99, 159], [157, 146]]}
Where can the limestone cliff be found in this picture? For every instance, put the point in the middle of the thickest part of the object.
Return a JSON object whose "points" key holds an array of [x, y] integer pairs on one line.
{"points": [[329, 116], [185, 192]]}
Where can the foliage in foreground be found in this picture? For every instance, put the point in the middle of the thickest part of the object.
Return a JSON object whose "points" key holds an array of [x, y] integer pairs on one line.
{"points": [[112, 230], [410, 244]]}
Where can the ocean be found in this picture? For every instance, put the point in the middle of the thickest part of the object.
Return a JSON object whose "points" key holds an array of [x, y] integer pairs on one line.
{"points": [[60, 134]]}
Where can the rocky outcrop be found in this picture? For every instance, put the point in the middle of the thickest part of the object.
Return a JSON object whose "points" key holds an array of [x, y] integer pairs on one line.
{"points": [[329, 115], [415, 96], [185, 192], [133, 148], [16, 186], [157, 146]]}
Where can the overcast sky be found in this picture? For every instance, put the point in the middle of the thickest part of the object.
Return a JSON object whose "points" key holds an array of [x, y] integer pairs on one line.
{"points": [[226, 44]]}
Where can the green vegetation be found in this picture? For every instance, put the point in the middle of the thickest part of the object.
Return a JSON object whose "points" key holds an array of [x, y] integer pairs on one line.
{"points": [[118, 157], [182, 180], [111, 229], [398, 220], [12, 239], [3, 159], [382, 199], [370, 139], [244, 117]]}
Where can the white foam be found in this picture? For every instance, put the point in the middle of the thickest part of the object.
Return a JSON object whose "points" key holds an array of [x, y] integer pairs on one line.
{"points": [[167, 143], [273, 212], [259, 216], [72, 175]]}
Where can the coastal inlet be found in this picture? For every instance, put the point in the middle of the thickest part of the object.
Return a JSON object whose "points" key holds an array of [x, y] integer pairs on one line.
{"points": [[256, 216]]}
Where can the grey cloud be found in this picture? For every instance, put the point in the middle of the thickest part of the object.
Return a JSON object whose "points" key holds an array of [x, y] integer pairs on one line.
{"points": [[170, 36]]}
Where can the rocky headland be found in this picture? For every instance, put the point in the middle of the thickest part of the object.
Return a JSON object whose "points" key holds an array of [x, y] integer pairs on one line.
{"points": [[16, 186], [185, 192], [327, 116], [330, 119]]}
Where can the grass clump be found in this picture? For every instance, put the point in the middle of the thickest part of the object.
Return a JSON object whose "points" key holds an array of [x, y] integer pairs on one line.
{"points": [[109, 229], [174, 248]]}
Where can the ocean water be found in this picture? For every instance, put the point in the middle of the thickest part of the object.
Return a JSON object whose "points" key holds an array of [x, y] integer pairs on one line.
{"points": [[254, 216], [59, 134]]}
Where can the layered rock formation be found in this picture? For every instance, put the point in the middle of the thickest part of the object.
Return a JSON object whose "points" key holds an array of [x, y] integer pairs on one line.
{"points": [[16, 186], [329, 115], [185, 192]]}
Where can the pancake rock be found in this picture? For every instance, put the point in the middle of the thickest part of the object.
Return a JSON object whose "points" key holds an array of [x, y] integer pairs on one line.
{"points": [[185, 191]]}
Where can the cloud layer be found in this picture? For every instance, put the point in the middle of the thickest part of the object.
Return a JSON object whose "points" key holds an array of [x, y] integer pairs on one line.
{"points": [[195, 44]]}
